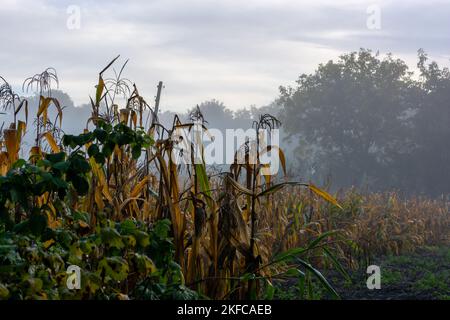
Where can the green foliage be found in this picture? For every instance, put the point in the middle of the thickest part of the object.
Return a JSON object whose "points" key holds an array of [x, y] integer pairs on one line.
{"points": [[114, 264], [122, 260], [106, 137], [55, 174]]}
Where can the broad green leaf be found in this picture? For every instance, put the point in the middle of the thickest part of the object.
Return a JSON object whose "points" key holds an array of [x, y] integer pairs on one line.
{"points": [[319, 276], [111, 237], [116, 268]]}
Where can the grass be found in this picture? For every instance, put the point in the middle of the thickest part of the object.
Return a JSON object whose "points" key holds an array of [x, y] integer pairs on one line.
{"points": [[423, 274]]}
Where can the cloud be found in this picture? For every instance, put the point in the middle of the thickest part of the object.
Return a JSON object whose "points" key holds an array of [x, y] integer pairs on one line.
{"points": [[236, 51]]}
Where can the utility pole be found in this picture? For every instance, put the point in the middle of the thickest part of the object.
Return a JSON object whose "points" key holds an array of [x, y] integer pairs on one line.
{"points": [[158, 97]]}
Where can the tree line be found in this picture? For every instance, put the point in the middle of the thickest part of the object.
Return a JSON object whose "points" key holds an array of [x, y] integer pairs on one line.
{"points": [[370, 121]]}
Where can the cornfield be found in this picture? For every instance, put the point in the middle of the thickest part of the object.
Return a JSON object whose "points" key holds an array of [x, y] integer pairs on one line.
{"points": [[371, 224], [232, 232]]}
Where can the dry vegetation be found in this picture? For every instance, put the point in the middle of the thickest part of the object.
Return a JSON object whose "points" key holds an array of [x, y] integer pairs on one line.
{"points": [[371, 225], [232, 233]]}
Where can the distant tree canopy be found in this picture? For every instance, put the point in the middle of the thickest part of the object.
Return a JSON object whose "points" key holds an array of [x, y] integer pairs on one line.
{"points": [[366, 120]]}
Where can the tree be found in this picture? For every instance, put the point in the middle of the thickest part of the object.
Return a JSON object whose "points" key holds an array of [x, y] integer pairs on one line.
{"points": [[432, 128], [353, 116]]}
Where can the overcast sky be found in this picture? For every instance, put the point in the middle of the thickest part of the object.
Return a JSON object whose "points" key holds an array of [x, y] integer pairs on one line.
{"points": [[238, 52]]}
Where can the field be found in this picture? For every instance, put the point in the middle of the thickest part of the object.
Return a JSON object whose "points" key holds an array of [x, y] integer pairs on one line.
{"points": [[113, 202], [422, 275]]}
